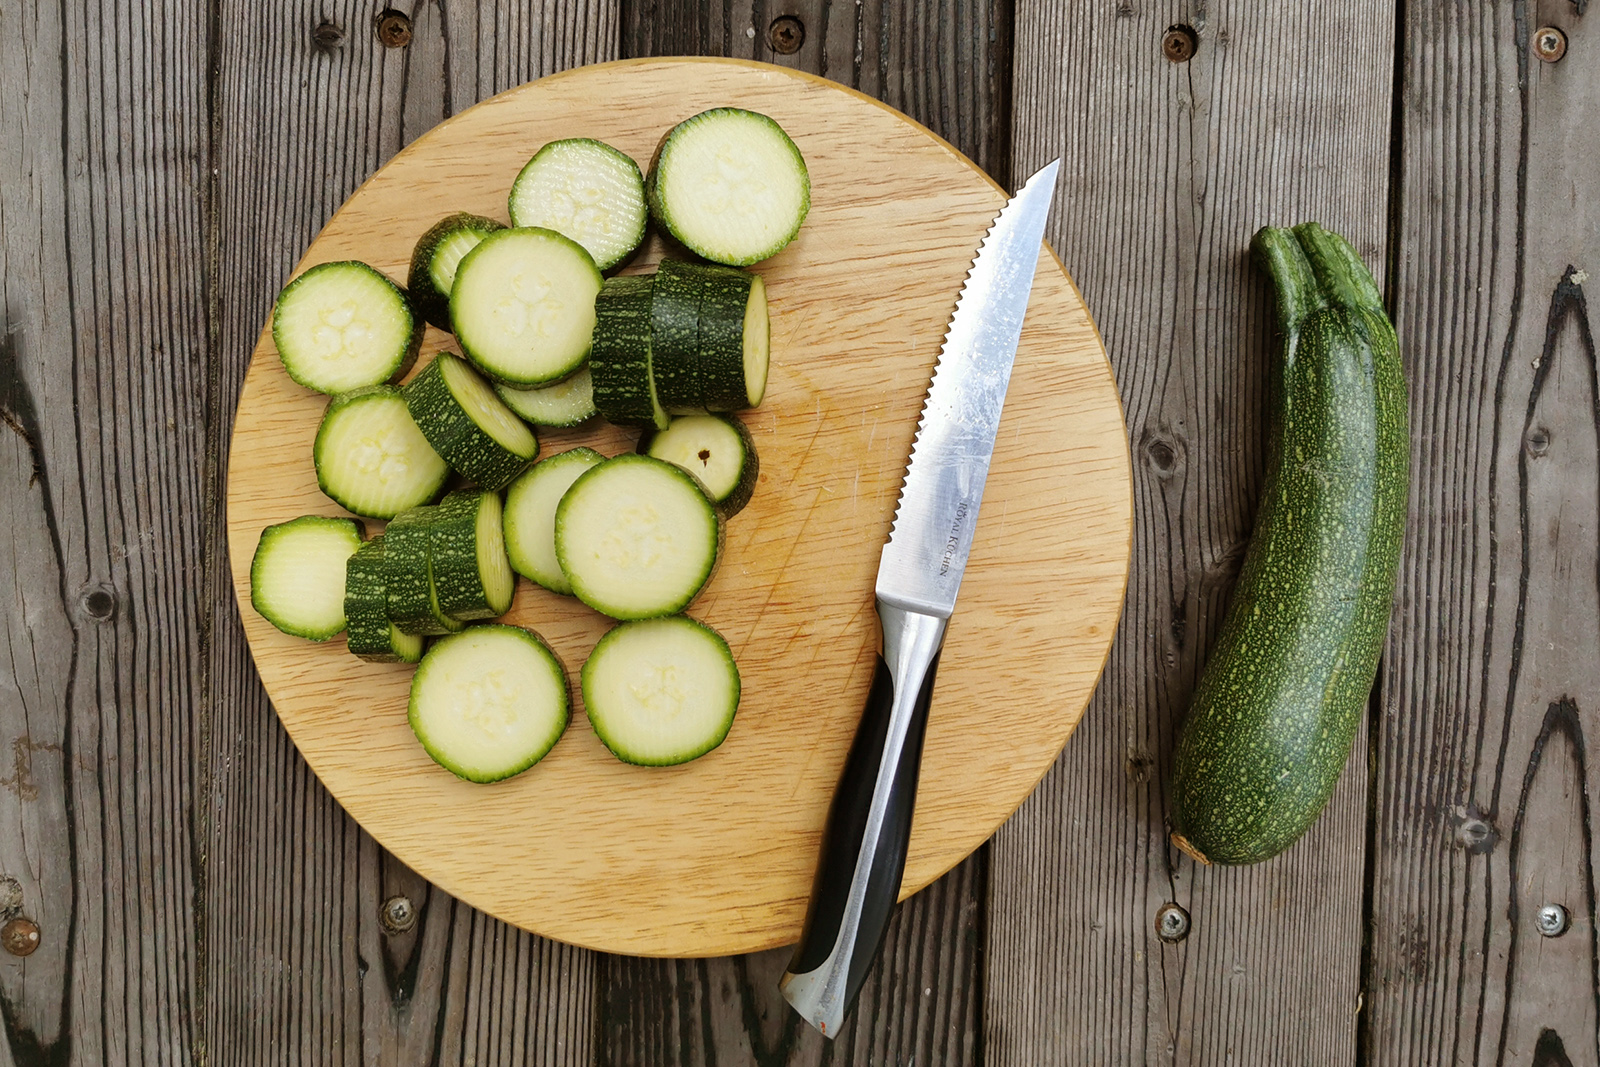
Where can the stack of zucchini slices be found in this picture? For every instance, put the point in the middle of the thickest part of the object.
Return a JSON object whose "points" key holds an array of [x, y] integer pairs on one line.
{"points": [[547, 341]]}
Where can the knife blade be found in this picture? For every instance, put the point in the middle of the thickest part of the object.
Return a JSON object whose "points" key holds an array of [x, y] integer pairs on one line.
{"points": [[864, 841]]}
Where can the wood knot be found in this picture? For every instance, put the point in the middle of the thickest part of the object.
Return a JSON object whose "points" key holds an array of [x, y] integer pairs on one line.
{"points": [[327, 36]]}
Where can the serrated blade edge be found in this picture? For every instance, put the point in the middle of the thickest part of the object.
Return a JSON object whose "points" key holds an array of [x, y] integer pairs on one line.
{"points": [[931, 534]]}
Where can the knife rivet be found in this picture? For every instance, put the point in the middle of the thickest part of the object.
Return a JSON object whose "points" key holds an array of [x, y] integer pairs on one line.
{"points": [[1172, 922], [1552, 920], [786, 35], [1178, 44], [398, 915]]}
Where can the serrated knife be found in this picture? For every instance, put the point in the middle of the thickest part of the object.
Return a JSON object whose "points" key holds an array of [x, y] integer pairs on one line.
{"points": [[863, 854]]}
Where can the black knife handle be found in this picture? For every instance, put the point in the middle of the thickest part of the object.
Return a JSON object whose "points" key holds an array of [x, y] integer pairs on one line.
{"points": [[864, 841]]}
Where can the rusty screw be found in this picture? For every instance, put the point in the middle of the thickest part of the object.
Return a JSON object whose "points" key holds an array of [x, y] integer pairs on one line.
{"points": [[393, 28], [398, 915], [1172, 923], [1549, 43], [1178, 44], [20, 936], [786, 35]]}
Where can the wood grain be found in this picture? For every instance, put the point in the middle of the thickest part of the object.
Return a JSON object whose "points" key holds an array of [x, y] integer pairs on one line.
{"points": [[298, 968], [900, 52], [1170, 168], [1486, 773], [859, 302], [102, 476]]}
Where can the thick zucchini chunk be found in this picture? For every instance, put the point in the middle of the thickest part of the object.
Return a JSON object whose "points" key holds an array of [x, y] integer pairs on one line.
{"points": [[413, 600], [369, 633], [471, 576], [468, 424]]}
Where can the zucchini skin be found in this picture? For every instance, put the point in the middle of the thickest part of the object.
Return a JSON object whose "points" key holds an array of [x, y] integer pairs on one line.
{"points": [[1287, 682]]}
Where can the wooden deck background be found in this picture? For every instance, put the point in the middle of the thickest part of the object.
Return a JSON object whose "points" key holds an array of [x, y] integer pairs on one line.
{"points": [[201, 898]]}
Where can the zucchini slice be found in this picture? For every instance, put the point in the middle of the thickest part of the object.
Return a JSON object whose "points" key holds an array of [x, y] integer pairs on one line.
{"points": [[717, 449], [523, 305], [471, 576], [675, 335], [566, 403], [661, 691], [413, 602], [436, 257], [341, 326], [297, 575], [369, 633], [586, 190], [637, 537], [489, 702], [735, 340], [621, 362], [371, 458], [530, 515], [468, 424], [730, 186]]}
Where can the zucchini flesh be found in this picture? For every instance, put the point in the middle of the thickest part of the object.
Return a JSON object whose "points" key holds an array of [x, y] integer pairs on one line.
{"points": [[370, 456], [530, 515], [471, 576], [585, 190], [637, 537], [369, 633], [437, 255], [467, 424], [523, 305], [566, 403], [661, 691], [716, 449], [1286, 685], [730, 186], [297, 575], [342, 326], [621, 364], [489, 702]]}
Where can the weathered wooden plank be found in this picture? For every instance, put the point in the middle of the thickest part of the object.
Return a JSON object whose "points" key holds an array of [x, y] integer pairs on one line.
{"points": [[1486, 773], [947, 64], [299, 968], [1168, 170], [102, 468]]}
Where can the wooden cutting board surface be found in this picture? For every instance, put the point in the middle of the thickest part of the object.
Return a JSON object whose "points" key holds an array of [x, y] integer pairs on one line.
{"points": [[716, 857]]}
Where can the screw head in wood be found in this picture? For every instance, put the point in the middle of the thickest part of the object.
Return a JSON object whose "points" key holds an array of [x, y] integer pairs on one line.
{"points": [[1549, 43], [1552, 920], [1172, 922], [1178, 44], [398, 915], [786, 35], [393, 28], [20, 936]]}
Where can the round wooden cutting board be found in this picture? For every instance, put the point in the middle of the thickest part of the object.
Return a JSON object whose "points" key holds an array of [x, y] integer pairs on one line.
{"points": [[716, 857]]}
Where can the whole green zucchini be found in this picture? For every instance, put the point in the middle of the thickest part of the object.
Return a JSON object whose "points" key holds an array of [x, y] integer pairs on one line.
{"points": [[1287, 682]]}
